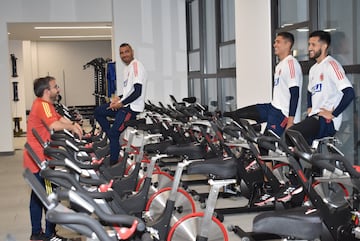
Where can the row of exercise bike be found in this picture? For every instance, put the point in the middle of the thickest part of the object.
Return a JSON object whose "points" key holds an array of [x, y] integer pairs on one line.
{"points": [[143, 196]]}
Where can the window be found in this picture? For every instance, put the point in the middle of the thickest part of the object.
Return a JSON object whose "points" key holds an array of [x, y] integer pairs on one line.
{"points": [[194, 37], [227, 35], [292, 12], [195, 88], [301, 41], [211, 95], [194, 61], [339, 18], [211, 72], [227, 19], [228, 94], [193, 17], [227, 56]]}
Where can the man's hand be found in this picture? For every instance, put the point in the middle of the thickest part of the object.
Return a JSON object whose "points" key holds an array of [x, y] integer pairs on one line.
{"points": [[309, 110], [115, 103], [290, 122], [327, 114], [76, 129], [115, 99], [115, 106]]}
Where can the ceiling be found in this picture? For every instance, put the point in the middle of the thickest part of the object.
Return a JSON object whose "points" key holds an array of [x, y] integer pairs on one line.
{"points": [[64, 32]]}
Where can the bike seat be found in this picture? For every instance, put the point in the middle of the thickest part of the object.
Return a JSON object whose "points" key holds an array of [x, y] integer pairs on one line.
{"points": [[299, 223], [135, 123], [221, 168], [159, 147], [190, 150]]}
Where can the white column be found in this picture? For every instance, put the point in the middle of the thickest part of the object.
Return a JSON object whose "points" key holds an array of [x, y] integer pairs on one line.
{"points": [[253, 51]]}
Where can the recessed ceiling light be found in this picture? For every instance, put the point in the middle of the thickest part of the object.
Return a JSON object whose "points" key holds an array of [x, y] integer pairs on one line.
{"points": [[286, 24], [330, 29], [74, 27], [76, 36], [302, 30]]}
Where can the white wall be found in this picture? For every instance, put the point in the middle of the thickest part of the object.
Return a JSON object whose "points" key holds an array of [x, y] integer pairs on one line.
{"points": [[65, 60], [158, 34], [155, 28], [253, 52]]}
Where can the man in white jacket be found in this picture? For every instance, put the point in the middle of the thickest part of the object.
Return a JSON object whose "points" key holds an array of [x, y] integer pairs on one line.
{"points": [[126, 106]]}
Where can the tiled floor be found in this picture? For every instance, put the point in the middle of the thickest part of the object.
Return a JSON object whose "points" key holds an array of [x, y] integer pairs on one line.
{"points": [[15, 194]]}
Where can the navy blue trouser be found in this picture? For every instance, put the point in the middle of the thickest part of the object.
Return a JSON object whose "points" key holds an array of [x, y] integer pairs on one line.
{"points": [[315, 127], [114, 131], [274, 118], [36, 212]]}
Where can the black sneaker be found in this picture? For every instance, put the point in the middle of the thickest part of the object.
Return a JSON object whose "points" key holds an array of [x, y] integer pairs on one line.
{"points": [[57, 238], [37, 237], [264, 199], [287, 192]]}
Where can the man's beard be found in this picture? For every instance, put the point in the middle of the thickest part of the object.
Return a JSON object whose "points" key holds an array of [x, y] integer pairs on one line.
{"points": [[54, 98], [316, 54]]}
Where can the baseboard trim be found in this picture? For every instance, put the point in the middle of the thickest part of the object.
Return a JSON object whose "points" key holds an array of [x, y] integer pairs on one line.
{"points": [[7, 153]]}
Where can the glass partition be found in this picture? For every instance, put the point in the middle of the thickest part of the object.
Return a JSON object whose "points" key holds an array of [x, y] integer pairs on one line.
{"points": [[292, 12], [340, 18]]}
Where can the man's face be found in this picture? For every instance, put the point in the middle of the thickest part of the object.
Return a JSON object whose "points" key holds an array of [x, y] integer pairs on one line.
{"points": [[281, 46], [315, 47], [126, 54], [54, 90]]}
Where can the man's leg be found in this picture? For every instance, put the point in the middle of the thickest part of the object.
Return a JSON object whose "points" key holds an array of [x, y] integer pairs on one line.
{"points": [[101, 113], [276, 121], [249, 112], [123, 115], [309, 128], [36, 210], [326, 129]]}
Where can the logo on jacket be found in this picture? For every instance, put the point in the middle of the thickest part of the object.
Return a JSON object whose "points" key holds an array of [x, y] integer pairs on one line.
{"points": [[316, 88], [276, 81]]}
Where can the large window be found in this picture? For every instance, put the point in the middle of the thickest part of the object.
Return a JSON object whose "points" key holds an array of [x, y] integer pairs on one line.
{"points": [[211, 52], [227, 35], [341, 19], [193, 36], [293, 12]]}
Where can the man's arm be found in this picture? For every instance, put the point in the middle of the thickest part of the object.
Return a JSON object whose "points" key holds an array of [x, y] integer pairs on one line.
{"points": [[134, 95], [348, 96], [117, 103], [64, 123], [294, 99], [309, 102], [338, 76]]}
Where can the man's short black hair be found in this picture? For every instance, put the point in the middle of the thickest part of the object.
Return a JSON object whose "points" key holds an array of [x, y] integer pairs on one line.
{"points": [[323, 36], [125, 45], [288, 36], [41, 84]]}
